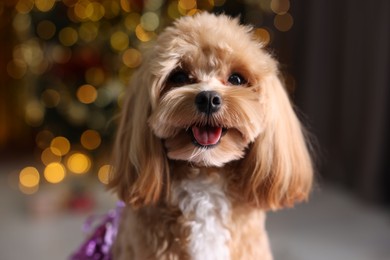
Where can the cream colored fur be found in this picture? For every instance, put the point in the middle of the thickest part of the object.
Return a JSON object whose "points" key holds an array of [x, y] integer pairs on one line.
{"points": [[186, 201]]}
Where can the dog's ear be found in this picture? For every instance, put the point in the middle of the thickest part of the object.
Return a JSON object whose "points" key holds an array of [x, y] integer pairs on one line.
{"points": [[140, 168], [277, 167]]}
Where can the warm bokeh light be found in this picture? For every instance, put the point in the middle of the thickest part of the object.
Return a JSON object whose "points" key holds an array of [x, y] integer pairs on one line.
{"points": [[44, 5], [104, 173], [24, 6], [81, 9], [68, 36], [17, 68], [193, 12], [187, 4], [29, 177], [280, 6], [29, 52], [131, 58], [46, 29], [283, 22], [125, 4], [153, 5], [79, 163], [60, 145], [173, 10], [150, 21], [54, 172], [48, 157], [119, 41], [88, 31], [142, 35], [34, 113], [131, 21], [95, 11], [90, 139], [21, 23], [60, 54], [51, 98], [86, 94], [262, 35]]}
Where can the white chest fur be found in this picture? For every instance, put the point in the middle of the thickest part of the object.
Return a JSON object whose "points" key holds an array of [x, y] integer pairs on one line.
{"points": [[206, 209]]}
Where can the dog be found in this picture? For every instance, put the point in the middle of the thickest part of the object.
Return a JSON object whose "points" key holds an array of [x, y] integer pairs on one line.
{"points": [[207, 142]]}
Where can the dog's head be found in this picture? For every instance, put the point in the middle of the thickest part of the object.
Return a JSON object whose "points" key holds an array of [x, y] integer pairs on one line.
{"points": [[207, 93]]}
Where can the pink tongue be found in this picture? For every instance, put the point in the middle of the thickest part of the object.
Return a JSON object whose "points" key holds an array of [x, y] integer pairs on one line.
{"points": [[207, 135]]}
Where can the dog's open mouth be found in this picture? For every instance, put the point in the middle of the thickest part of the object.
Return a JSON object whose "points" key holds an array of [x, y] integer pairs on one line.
{"points": [[207, 136]]}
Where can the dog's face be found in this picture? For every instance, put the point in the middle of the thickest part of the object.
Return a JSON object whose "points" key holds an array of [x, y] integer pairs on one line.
{"points": [[208, 96]]}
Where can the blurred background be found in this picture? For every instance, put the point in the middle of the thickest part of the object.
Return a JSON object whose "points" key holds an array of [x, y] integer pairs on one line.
{"points": [[64, 66]]}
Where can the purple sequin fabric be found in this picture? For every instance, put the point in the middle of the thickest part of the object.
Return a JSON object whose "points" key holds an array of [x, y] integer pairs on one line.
{"points": [[98, 245]]}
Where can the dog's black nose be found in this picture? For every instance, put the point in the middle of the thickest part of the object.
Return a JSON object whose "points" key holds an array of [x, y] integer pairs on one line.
{"points": [[208, 102]]}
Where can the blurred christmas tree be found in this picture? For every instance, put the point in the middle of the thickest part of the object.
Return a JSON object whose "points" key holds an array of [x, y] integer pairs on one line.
{"points": [[72, 60]]}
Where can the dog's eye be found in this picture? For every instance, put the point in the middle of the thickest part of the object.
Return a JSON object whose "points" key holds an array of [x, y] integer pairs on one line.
{"points": [[237, 79], [179, 78]]}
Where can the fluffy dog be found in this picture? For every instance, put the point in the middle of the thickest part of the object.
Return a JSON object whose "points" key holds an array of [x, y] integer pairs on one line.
{"points": [[208, 141]]}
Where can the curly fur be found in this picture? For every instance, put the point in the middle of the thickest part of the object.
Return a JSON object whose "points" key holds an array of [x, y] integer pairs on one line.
{"points": [[187, 201]]}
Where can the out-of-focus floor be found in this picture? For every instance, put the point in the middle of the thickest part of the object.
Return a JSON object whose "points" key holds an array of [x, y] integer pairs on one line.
{"points": [[333, 225]]}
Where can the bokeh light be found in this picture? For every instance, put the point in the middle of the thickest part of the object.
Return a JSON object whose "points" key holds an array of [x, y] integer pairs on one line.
{"points": [[263, 36], [193, 12], [131, 21], [86, 94], [88, 31], [104, 173], [283, 22], [131, 58], [51, 98], [153, 5], [125, 5], [17, 68], [79, 163], [44, 5], [77, 113], [173, 11], [119, 41], [24, 6], [150, 21], [54, 172], [95, 11], [187, 4], [142, 35], [68, 36], [60, 145], [90, 139], [48, 156], [29, 177], [46, 29], [34, 113], [81, 9], [60, 54], [21, 22], [280, 6]]}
